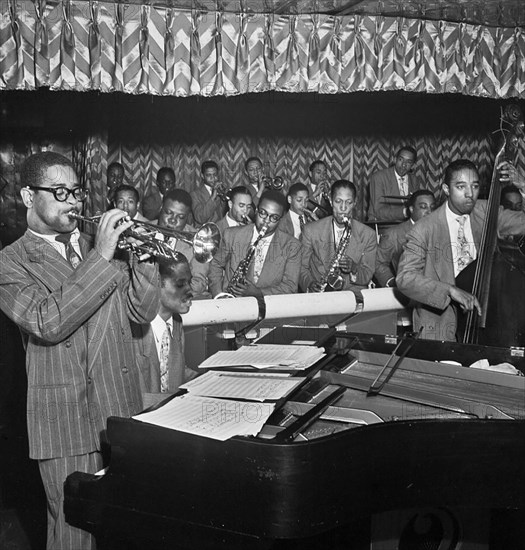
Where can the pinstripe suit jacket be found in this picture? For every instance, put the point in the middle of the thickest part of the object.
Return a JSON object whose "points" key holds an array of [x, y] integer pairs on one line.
{"points": [[426, 269], [80, 362], [280, 271], [319, 249]]}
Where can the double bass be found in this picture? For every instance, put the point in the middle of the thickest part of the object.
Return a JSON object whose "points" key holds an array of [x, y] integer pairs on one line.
{"points": [[497, 276]]}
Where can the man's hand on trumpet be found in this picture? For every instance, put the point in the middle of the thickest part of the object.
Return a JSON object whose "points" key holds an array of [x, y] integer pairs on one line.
{"points": [[110, 228]]}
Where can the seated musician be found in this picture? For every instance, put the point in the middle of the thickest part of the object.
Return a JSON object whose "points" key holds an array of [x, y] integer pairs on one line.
{"points": [[254, 171], [322, 240], [127, 198], [511, 198], [441, 245], [240, 209], [208, 204], [396, 180], [114, 178], [174, 214], [319, 188], [152, 202], [275, 261], [298, 214], [420, 204], [159, 345]]}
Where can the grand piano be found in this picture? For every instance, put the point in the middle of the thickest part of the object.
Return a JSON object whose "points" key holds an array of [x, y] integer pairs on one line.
{"points": [[431, 457]]}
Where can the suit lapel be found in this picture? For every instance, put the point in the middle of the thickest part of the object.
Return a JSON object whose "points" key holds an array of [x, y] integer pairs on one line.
{"points": [[442, 252]]}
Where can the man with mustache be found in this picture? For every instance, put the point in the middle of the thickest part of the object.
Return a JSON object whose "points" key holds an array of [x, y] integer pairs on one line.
{"points": [[73, 305], [160, 344], [441, 245]]}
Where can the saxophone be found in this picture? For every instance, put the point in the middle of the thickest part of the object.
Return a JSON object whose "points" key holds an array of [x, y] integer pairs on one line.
{"points": [[333, 277], [239, 276]]}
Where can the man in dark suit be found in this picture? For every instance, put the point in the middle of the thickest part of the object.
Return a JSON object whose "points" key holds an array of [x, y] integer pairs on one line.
{"points": [[420, 204], [298, 214], [160, 344], [319, 188], [240, 209], [152, 201], [394, 181], [274, 268], [441, 245], [322, 239], [73, 305], [114, 178], [208, 204]]}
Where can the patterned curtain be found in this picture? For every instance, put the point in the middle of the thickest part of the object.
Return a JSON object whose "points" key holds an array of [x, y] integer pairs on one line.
{"points": [[76, 45]]}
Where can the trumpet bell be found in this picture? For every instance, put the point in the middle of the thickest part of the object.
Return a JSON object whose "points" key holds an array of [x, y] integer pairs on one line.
{"points": [[206, 242]]}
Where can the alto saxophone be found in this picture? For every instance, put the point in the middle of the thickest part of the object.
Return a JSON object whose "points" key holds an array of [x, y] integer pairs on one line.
{"points": [[332, 276], [239, 276]]}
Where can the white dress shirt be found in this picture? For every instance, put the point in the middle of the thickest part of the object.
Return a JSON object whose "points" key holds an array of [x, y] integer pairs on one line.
{"points": [[158, 326], [60, 247]]}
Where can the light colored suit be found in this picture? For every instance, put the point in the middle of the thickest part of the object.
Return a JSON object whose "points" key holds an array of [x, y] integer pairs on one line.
{"points": [[280, 271], [80, 362], [286, 224], [389, 251], [319, 249], [384, 182], [204, 208], [148, 359], [426, 269]]}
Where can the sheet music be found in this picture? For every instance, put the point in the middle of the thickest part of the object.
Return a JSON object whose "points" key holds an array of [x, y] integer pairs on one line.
{"points": [[266, 356], [209, 417], [237, 386]]}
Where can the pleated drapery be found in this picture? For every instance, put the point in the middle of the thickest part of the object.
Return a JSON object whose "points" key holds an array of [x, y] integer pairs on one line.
{"points": [[77, 45]]}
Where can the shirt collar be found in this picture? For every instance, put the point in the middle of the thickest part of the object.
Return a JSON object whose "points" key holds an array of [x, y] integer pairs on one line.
{"points": [[75, 236]]}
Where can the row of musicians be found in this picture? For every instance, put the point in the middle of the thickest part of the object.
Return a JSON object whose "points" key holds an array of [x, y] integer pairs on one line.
{"points": [[209, 194], [287, 265]]}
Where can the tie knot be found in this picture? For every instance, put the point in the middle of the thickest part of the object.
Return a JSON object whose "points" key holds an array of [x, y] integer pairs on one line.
{"points": [[461, 220], [64, 238]]}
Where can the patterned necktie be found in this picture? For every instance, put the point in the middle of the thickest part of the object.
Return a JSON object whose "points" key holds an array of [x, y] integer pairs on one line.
{"points": [[259, 261], [164, 358], [404, 185], [301, 223], [464, 256], [71, 254]]}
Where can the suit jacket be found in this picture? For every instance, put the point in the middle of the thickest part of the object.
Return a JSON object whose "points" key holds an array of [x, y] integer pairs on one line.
{"points": [[389, 251], [384, 182], [280, 272], [426, 269], [148, 359], [319, 249], [204, 208], [80, 362], [151, 204], [286, 225]]}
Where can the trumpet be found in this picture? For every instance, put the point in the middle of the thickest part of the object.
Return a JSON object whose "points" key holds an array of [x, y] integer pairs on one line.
{"points": [[154, 239], [222, 191], [276, 183]]}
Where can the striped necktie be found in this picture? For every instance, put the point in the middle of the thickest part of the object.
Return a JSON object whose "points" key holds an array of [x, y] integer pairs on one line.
{"points": [[71, 254], [301, 223]]}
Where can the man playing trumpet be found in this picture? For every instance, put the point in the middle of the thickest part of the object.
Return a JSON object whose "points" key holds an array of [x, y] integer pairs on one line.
{"points": [[73, 304], [352, 265], [240, 209], [298, 214], [209, 203], [274, 263]]}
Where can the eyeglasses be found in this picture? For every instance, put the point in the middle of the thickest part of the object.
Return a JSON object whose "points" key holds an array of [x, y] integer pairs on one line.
{"points": [[61, 194], [273, 217]]}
